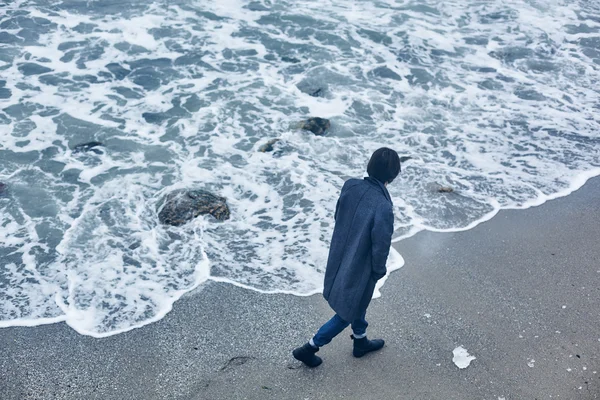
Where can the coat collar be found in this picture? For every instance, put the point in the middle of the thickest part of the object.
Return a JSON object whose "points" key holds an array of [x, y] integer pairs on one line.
{"points": [[376, 182]]}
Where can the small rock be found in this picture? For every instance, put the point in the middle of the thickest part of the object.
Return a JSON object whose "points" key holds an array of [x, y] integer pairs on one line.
{"points": [[405, 159], [88, 147], [317, 93], [181, 206], [313, 87], [268, 147], [313, 91], [445, 189], [318, 126], [3, 188]]}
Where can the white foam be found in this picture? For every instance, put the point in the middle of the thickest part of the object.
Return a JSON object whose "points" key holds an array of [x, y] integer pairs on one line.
{"points": [[492, 146]]}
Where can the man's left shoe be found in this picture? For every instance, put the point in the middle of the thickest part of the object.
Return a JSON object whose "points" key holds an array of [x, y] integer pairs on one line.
{"points": [[364, 346]]}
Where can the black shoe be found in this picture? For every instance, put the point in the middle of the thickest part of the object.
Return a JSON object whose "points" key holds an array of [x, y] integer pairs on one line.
{"points": [[364, 346], [306, 354]]}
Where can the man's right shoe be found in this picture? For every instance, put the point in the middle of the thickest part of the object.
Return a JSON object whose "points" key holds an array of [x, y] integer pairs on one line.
{"points": [[306, 354], [364, 346]]}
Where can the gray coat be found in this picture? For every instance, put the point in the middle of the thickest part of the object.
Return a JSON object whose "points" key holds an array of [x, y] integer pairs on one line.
{"points": [[364, 224]]}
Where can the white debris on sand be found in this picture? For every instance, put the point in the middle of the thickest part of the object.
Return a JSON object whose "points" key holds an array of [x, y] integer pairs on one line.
{"points": [[462, 358]]}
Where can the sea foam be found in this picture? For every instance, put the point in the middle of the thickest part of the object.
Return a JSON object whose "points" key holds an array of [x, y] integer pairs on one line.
{"points": [[497, 100]]}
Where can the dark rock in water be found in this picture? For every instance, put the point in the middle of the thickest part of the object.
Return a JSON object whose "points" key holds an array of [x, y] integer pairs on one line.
{"points": [[3, 188], [90, 146], [316, 86], [312, 91], [405, 158], [318, 126], [317, 93], [438, 188], [268, 147], [181, 206], [292, 60]]}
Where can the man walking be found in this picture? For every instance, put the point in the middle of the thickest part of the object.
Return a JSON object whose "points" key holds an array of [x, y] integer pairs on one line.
{"points": [[364, 224]]}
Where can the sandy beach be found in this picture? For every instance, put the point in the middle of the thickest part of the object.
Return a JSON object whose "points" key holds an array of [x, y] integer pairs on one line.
{"points": [[520, 293]]}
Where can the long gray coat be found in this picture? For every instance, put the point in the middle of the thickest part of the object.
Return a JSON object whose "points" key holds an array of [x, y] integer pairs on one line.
{"points": [[364, 224]]}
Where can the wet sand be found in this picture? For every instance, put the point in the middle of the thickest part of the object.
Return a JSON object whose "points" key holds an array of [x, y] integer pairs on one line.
{"points": [[520, 292]]}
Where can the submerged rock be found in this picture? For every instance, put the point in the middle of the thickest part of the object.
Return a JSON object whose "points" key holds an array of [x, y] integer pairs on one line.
{"points": [[181, 206], [317, 93], [318, 126], [268, 147], [405, 159], [89, 146], [313, 89], [3, 188]]}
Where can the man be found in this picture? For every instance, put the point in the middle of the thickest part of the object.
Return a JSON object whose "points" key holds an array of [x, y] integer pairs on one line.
{"points": [[364, 224]]}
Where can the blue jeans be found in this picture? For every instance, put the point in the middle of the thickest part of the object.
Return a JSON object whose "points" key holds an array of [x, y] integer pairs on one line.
{"points": [[335, 325]]}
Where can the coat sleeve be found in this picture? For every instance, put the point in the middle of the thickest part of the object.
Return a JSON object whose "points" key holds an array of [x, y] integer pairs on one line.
{"points": [[337, 205], [381, 239]]}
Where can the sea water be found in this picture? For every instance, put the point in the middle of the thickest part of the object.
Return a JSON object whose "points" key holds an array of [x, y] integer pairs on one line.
{"points": [[497, 99]]}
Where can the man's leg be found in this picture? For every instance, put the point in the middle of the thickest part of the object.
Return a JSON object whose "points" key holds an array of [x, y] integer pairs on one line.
{"points": [[328, 331], [359, 327], [362, 345]]}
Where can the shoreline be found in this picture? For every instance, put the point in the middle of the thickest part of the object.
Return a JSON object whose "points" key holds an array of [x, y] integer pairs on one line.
{"points": [[577, 184], [515, 291]]}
